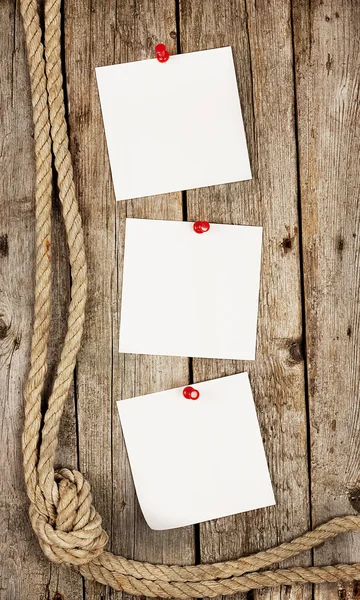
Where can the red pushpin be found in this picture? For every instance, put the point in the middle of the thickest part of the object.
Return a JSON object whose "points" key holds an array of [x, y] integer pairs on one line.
{"points": [[190, 393], [201, 226], [161, 53]]}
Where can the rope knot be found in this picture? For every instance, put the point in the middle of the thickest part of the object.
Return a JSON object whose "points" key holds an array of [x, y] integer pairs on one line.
{"points": [[75, 535]]}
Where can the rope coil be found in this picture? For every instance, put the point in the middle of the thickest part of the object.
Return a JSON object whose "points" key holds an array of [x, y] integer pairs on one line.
{"points": [[61, 511]]}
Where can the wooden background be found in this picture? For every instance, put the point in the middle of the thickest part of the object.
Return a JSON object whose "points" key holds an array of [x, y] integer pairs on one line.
{"points": [[298, 72]]}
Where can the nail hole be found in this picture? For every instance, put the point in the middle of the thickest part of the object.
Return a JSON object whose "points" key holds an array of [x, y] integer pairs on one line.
{"points": [[340, 244], [287, 244], [4, 247]]}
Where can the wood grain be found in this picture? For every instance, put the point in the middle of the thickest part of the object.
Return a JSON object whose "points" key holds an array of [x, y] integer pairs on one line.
{"points": [[328, 83], [260, 36]]}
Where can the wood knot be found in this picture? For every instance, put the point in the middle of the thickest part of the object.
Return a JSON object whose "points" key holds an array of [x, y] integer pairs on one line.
{"points": [[296, 351], [4, 329], [354, 498], [10, 334]]}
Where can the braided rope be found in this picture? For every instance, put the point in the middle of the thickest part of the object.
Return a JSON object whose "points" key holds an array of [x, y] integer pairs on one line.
{"points": [[61, 511]]}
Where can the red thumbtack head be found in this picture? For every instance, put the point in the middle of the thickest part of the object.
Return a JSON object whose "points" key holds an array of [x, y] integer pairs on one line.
{"points": [[201, 226], [190, 393], [161, 53]]}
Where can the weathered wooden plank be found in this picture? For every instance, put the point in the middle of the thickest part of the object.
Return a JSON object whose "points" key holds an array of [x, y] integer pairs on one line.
{"points": [[327, 39], [25, 572], [110, 33], [260, 35], [327, 95], [19, 552]]}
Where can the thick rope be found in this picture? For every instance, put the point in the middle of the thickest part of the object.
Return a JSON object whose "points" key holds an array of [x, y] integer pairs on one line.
{"points": [[61, 511]]}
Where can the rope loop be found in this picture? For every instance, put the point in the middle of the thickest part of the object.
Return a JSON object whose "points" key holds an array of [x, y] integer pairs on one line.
{"points": [[73, 533]]}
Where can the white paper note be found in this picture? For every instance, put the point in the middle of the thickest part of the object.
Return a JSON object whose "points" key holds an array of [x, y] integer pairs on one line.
{"points": [[189, 294], [173, 126], [193, 461]]}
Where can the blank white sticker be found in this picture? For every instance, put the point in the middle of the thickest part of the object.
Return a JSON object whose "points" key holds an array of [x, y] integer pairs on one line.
{"points": [[173, 126], [193, 461], [189, 294]]}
